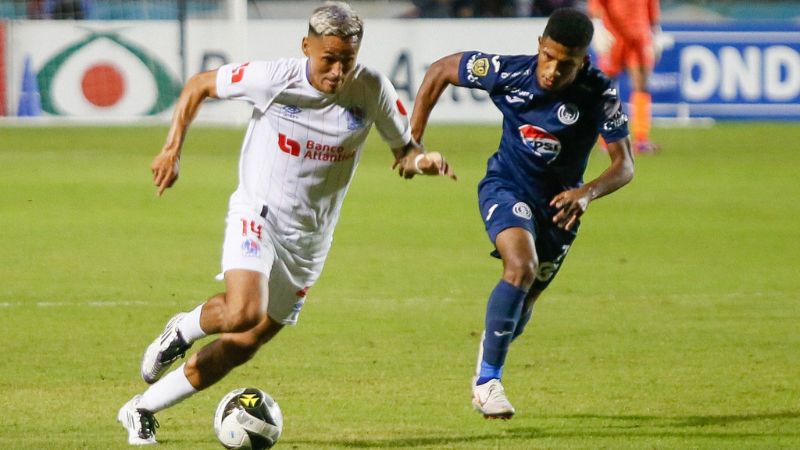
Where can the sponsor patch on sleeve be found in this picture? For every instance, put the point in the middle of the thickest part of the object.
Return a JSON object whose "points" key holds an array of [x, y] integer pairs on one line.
{"points": [[480, 68]]}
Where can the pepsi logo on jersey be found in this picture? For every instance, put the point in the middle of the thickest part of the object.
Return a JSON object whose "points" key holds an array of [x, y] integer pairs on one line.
{"points": [[541, 142]]}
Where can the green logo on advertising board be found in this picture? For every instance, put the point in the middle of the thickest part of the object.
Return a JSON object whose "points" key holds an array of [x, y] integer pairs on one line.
{"points": [[167, 87]]}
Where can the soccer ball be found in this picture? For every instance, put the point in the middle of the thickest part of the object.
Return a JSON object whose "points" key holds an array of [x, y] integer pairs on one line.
{"points": [[248, 418]]}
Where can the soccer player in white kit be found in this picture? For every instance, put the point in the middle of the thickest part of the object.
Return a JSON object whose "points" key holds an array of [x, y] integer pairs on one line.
{"points": [[310, 119]]}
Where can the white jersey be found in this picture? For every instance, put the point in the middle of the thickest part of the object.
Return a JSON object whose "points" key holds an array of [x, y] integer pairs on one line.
{"points": [[302, 146]]}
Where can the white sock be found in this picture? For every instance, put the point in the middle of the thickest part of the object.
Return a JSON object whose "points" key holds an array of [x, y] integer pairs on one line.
{"points": [[167, 391], [189, 325]]}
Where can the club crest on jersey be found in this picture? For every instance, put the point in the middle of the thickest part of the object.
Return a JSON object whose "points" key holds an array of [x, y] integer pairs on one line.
{"points": [[480, 67], [477, 67], [355, 118], [291, 111], [542, 143], [251, 248], [521, 209], [568, 113]]}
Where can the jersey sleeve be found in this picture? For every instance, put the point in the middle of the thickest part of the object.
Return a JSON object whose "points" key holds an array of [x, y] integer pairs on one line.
{"points": [[391, 118], [480, 70], [613, 124], [257, 82]]}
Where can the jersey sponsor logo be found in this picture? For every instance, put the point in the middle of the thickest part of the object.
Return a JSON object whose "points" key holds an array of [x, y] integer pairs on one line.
{"points": [[517, 92], [287, 145], [251, 248], [315, 150], [521, 209], [290, 111], [355, 118], [568, 113], [324, 152], [238, 73], [504, 75], [480, 68], [618, 120], [541, 142]]}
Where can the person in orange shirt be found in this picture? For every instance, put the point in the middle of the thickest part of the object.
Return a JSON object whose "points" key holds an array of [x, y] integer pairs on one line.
{"points": [[629, 44]]}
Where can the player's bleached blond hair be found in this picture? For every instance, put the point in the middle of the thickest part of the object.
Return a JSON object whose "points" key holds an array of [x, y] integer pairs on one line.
{"points": [[336, 19]]}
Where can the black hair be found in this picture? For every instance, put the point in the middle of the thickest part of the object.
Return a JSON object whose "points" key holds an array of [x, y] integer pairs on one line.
{"points": [[570, 28]]}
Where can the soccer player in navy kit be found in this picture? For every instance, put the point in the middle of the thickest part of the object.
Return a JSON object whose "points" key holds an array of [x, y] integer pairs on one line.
{"points": [[554, 106]]}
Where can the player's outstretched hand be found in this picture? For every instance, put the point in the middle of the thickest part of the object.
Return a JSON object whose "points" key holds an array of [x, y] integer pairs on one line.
{"points": [[571, 205], [165, 168], [431, 163]]}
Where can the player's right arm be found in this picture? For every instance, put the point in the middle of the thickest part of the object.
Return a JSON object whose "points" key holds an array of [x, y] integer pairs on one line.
{"points": [[441, 74], [166, 165]]}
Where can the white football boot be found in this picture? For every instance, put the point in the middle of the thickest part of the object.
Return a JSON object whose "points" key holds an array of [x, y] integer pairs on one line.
{"points": [[490, 400], [164, 350], [140, 423]]}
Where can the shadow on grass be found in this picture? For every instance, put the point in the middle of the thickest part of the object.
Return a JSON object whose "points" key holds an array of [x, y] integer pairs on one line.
{"points": [[640, 426]]}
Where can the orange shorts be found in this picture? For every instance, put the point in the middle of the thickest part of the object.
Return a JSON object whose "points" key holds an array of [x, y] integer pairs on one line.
{"points": [[630, 51]]}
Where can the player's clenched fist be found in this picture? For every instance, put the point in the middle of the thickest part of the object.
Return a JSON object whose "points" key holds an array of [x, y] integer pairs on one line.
{"points": [[431, 163]]}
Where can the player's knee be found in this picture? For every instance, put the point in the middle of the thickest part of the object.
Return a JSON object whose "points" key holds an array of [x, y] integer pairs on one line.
{"points": [[520, 272]]}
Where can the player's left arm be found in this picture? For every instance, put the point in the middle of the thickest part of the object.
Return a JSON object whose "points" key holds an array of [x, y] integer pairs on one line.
{"points": [[392, 122], [572, 204]]}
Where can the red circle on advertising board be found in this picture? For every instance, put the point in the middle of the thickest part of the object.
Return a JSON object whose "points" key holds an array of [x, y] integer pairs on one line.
{"points": [[103, 85]]}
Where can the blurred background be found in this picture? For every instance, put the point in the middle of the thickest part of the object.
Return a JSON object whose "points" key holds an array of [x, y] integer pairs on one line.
{"points": [[681, 10], [125, 60]]}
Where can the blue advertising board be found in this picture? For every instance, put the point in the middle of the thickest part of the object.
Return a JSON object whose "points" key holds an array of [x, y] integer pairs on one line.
{"points": [[728, 71]]}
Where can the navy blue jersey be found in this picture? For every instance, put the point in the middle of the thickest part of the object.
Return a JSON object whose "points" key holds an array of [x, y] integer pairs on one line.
{"points": [[547, 136]]}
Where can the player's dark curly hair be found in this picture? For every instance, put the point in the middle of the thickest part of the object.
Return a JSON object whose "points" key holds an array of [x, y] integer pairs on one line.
{"points": [[570, 28]]}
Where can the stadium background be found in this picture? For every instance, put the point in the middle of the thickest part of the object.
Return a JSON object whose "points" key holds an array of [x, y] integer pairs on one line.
{"points": [[672, 325], [721, 63]]}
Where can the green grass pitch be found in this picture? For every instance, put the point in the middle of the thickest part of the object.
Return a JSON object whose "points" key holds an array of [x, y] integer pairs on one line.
{"points": [[675, 322]]}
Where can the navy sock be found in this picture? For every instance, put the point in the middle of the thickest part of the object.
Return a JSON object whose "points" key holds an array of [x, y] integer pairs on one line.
{"points": [[502, 315], [523, 320]]}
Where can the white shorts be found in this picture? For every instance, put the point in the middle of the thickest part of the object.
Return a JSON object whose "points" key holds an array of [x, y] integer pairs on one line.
{"points": [[249, 244]]}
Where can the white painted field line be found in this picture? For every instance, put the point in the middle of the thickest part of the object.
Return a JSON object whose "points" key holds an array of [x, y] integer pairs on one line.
{"points": [[93, 303]]}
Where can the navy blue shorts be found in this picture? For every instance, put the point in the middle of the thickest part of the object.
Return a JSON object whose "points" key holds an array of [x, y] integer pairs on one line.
{"points": [[501, 208]]}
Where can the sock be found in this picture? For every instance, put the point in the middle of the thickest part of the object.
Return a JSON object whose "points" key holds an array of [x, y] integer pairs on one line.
{"points": [[502, 316], [526, 317], [489, 373], [640, 106], [167, 391], [189, 326]]}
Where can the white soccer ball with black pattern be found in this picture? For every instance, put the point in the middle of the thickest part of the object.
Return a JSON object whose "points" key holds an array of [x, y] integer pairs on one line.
{"points": [[248, 418]]}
